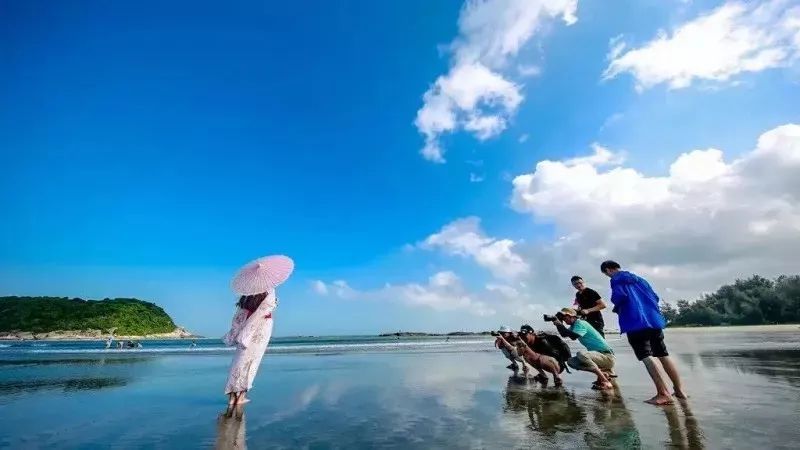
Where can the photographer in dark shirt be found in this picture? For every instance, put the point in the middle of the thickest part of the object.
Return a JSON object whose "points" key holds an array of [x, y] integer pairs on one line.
{"points": [[589, 304]]}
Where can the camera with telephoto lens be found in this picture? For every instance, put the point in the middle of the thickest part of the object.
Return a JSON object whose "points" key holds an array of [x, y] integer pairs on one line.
{"points": [[513, 337], [558, 316]]}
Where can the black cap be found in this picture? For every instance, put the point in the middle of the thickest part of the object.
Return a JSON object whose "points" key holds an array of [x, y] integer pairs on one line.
{"points": [[525, 329]]}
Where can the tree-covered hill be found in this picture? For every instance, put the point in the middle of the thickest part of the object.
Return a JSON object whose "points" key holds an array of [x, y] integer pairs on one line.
{"points": [[128, 316], [754, 301]]}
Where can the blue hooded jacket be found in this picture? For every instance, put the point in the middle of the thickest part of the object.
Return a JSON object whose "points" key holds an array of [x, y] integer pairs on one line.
{"points": [[635, 302]]}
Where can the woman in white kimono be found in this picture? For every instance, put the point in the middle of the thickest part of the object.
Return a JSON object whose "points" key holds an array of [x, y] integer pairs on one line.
{"points": [[250, 333]]}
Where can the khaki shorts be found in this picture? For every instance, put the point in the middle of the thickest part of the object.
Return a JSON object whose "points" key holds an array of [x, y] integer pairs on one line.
{"points": [[586, 360]]}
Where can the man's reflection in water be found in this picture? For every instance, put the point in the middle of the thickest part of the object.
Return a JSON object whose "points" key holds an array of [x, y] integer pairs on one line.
{"points": [[615, 427], [688, 434], [231, 430], [549, 410]]}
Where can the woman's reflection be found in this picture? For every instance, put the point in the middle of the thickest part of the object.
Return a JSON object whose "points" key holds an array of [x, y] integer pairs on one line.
{"points": [[231, 429]]}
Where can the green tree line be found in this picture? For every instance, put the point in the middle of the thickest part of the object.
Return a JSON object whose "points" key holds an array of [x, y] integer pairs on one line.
{"points": [[754, 301], [129, 316]]}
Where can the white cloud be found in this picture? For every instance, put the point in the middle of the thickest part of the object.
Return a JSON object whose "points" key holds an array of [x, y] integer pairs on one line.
{"points": [[319, 287], [494, 30], [338, 288], [475, 95], [464, 237], [611, 120], [528, 70], [705, 223], [736, 37], [523, 138], [480, 99], [601, 156], [444, 291], [475, 178]]}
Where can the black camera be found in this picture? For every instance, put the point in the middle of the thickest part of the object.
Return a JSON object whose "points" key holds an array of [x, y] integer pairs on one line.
{"points": [[494, 333], [558, 316]]}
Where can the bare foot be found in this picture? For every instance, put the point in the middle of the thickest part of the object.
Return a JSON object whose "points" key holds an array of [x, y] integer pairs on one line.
{"points": [[679, 394], [660, 400]]}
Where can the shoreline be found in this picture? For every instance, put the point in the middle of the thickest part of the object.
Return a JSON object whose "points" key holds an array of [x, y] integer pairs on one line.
{"points": [[93, 335], [773, 327], [183, 334]]}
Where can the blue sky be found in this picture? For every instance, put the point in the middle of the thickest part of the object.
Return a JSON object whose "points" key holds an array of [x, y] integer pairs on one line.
{"points": [[151, 149]]}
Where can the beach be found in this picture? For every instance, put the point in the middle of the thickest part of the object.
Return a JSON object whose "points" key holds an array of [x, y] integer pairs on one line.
{"points": [[368, 392]]}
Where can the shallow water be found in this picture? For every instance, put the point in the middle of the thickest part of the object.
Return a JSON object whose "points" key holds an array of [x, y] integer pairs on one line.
{"points": [[415, 393]]}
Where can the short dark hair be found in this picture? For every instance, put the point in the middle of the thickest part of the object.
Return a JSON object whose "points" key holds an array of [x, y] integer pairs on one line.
{"points": [[609, 265], [575, 278]]}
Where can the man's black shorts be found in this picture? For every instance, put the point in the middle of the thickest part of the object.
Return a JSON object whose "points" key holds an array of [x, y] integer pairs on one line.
{"points": [[648, 342]]}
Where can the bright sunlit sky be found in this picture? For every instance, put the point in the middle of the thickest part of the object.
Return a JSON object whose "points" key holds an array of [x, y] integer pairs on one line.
{"points": [[430, 166]]}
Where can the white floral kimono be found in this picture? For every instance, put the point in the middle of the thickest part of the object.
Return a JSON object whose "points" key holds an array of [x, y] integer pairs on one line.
{"points": [[251, 336]]}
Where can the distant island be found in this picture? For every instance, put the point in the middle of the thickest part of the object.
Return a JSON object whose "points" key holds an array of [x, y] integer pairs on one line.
{"points": [[75, 318], [418, 334], [754, 301]]}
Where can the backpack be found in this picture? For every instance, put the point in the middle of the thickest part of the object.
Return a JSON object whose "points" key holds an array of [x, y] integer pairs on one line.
{"points": [[553, 345]]}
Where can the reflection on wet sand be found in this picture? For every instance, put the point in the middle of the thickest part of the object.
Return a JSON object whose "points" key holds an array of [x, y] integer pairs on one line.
{"points": [[17, 362], [686, 434], [67, 384], [556, 410], [549, 410], [779, 364], [231, 432], [614, 422]]}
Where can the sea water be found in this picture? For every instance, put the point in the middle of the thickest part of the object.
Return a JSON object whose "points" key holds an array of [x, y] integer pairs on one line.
{"points": [[365, 392]]}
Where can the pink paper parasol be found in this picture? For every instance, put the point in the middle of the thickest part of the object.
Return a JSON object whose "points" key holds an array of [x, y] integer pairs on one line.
{"points": [[262, 275]]}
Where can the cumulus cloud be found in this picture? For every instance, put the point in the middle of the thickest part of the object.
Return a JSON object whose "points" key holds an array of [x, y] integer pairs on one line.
{"points": [[705, 223], [601, 156], [444, 291], [735, 38], [338, 288], [475, 95], [319, 287], [465, 237], [507, 295]]}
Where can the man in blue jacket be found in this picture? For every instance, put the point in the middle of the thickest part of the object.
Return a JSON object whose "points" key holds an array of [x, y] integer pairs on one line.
{"points": [[636, 304]]}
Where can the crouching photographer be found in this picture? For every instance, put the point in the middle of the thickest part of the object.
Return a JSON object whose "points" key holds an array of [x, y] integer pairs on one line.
{"points": [[598, 358], [510, 351]]}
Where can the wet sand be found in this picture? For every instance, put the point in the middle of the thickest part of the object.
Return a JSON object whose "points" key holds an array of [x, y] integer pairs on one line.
{"points": [[744, 392]]}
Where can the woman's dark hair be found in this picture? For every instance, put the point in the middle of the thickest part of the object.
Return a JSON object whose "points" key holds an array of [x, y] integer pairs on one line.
{"points": [[251, 302], [575, 278], [609, 265]]}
